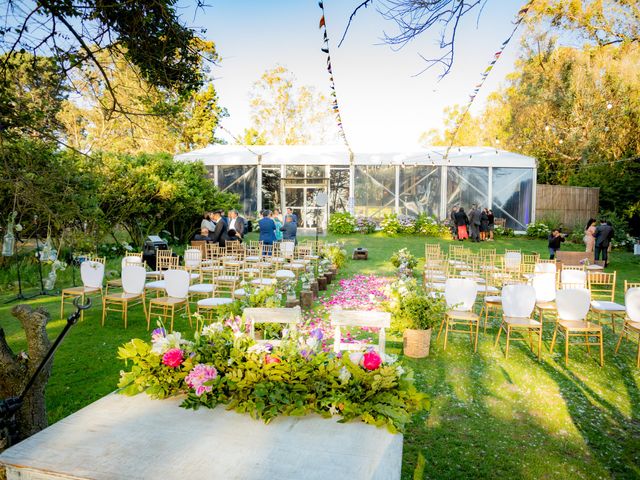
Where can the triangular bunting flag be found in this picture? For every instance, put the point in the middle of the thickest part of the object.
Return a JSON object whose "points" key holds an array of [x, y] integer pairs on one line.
{"points": [[325, 50], [322, 23]]}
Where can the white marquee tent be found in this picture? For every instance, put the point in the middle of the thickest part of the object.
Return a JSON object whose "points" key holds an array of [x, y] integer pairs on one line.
{"points": [[373, 183]]}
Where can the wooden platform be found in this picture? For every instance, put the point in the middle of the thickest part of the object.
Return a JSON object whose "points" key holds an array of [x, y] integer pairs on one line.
{"points": [[121, 437]]}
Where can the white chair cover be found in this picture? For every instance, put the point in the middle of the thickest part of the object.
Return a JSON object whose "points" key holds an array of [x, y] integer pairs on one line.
{"points": [[632, 304], [545, 268], [460, 293], [544, 285], [192, 257], [177, 283], [573, 279], [133, 279], [573, 303], [518, 300], [92, 274]]}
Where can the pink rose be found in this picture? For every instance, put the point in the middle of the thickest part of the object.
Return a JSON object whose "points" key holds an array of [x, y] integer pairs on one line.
{"points": [[173, 358], [371, 360], [271, 359]]}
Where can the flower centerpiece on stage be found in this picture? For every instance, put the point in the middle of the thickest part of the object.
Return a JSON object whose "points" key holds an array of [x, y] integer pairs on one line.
{"points": [[223, 365]]}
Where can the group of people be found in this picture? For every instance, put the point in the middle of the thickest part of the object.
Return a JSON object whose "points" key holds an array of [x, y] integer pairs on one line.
{"points": [[216, 227], [478, 225], [273, 228], [597, 239]]}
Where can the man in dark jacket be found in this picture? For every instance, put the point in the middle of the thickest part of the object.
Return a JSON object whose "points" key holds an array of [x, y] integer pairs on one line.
{"points": [[604, 235], [555, 239], [236, 223], [289, 229], [219, 235], [474, 223]]}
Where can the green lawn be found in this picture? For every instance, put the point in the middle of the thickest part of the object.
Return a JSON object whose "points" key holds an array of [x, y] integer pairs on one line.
{"points": [[490, 416]]}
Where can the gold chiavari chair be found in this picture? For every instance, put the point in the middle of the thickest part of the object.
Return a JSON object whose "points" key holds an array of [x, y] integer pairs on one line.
{"points": [[92, 275], [603, 289], [176, 298], [631, 324]]}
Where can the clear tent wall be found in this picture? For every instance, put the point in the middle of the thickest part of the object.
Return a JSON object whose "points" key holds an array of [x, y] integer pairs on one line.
{"points": [[373, 184]]}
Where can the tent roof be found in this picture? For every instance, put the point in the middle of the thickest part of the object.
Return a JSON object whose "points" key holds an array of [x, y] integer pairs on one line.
{"points": [[339, 155]]}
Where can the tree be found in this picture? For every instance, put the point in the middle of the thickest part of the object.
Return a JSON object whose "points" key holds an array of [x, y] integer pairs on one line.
{"points": [[148, 33], [146, 194], [283, 113], [156, 120], [17, 368]]}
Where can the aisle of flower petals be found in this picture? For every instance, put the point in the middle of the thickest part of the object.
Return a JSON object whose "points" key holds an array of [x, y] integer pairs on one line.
{"points": [[360, 292]]}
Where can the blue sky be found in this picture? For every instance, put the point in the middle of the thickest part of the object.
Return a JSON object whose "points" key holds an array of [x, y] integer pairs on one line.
{"points": [[383, 105]]}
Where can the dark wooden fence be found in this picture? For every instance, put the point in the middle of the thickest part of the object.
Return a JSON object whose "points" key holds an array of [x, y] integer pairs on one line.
{"points": [[570, 205]]}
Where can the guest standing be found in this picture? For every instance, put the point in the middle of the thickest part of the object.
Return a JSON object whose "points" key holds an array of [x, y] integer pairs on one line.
{"points": [[236, 223], [207, 223], [452, 217], [555, 239], [492, 223], [474, 223], [278, 221], [219, 234], [604, 235], [484, 224], [289, 229], [267, 228], [462, 221], [295, 217], [203, 236], [590, 235]]}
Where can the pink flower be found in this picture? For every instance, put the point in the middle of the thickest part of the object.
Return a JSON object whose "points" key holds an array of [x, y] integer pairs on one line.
{"points": [[173, 358], [271, 359], [199, 375], [371, 360]]}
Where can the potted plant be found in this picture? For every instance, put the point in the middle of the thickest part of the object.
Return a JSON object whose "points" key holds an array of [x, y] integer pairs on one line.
{"points": [[404, 261], [417, 314]]}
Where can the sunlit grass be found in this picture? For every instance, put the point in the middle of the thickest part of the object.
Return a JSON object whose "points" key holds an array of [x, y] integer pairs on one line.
{"points": [[490, 417]]}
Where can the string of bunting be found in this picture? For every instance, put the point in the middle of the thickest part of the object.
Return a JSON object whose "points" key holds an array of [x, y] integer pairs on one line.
{"points": [[483, 76], [332, 85]]}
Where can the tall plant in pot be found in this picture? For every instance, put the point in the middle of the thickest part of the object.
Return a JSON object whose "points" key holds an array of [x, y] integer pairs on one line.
{"points": [[417, 315]]}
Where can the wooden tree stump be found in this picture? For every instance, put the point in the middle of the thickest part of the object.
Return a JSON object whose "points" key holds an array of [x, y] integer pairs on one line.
{"points": [[306, 299], [314, 289], [16, 369], [329, 277], [322, 283]]}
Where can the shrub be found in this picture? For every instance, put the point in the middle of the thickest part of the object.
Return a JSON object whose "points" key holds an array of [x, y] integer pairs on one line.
{"points": [[390, 224], [503, 231], [404, 257], [366, 225], [342, 223], [538, 230], [431, 227]]}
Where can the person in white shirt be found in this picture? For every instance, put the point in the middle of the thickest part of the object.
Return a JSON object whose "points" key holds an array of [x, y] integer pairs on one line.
{"points": [[236, 223]]}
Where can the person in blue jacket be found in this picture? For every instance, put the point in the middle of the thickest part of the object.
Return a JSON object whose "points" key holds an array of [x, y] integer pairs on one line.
{"points": [[267, 228], [289, 229]]}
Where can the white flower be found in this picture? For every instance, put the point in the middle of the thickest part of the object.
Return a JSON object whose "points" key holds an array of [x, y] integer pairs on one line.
{"points": [[212, 329], [344, 375], [333, 410], [389, 358], [356, 357], [311, 342], [173, 340], [399, 370]]}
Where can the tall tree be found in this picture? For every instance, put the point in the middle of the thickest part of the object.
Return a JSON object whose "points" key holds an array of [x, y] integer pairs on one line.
{"points": [[284, 113]]}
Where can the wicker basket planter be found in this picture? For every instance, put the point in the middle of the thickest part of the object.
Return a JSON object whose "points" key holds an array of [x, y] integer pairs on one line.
{"points": [[416, 343]]}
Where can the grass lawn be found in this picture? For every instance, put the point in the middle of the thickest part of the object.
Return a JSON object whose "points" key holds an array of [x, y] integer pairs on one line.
{"points": [[490, 416]]}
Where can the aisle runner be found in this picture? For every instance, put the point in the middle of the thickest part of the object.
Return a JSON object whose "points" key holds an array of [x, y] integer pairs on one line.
{"points": [[360, 292]]}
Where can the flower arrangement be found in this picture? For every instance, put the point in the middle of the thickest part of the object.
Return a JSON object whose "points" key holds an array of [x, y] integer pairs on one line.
{"points": [[403, 258], [222, 365], [336, 255], [416, 310]]}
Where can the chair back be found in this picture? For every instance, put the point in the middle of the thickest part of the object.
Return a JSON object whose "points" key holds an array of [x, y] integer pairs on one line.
{"points": [[92, 273], [545, 267], [518, 300], [290, 316], [177, 283], [545, 286], [192, 257], [359, 319], [133, 279], [628, 285], [632, 303], [573, 279], [134, 260], [602, 285], [512, 260], [573, 303], [287, 249], [460, 293]]}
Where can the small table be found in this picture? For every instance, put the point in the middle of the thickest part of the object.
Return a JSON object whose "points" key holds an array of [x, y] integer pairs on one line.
{"points": [[360, 254]]}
